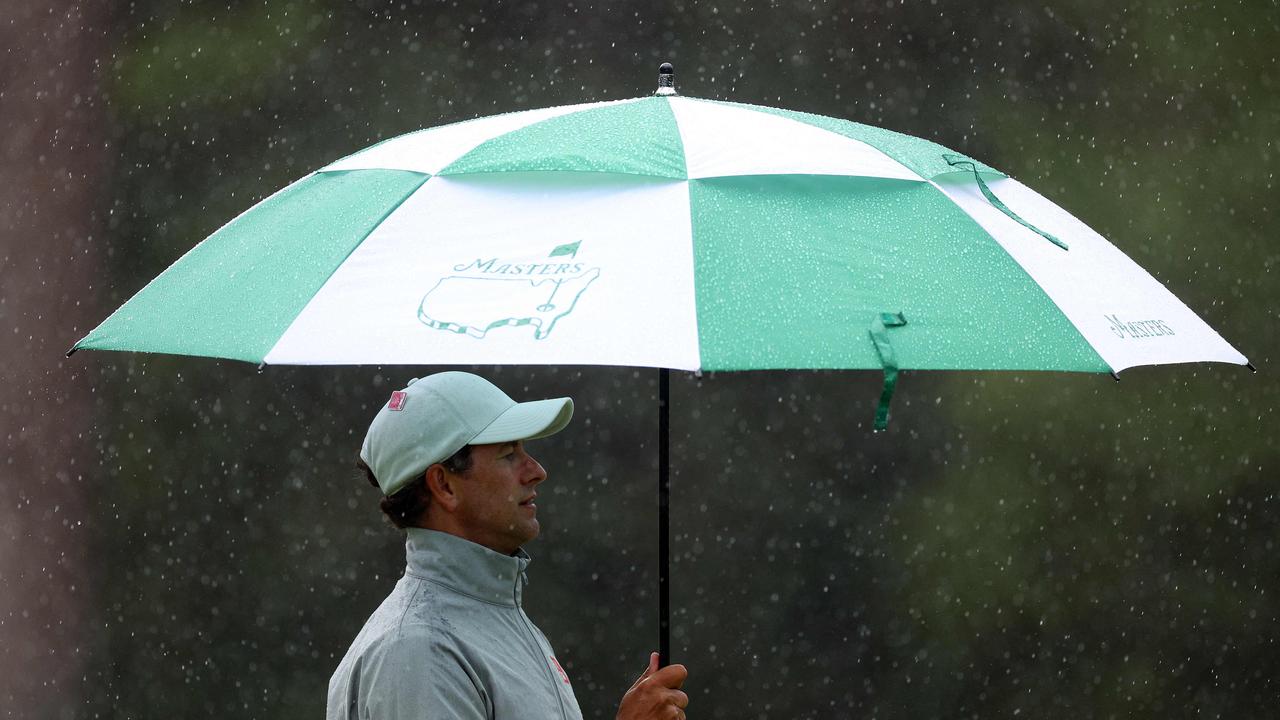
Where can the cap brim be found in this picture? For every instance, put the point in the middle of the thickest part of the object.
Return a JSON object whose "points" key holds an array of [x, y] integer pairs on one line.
{"points": [[527, 421]]}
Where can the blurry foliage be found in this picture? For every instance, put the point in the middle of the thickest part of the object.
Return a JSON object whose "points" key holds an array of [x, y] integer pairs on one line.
{"points": [[1062, 546], [199, 62]]}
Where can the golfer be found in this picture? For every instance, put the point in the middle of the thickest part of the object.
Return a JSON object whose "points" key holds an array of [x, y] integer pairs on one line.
{"points": [[452, 639]]}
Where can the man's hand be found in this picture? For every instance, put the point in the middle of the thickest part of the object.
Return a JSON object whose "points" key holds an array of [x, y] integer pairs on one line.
{"points": [[656, 694]]}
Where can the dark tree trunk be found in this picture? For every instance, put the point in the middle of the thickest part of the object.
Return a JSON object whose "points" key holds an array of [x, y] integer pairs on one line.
{"points": [[52, 162]]}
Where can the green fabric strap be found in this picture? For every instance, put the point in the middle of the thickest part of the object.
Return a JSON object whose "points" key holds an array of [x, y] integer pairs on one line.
{"points": [[888, 359], [963, 162]]}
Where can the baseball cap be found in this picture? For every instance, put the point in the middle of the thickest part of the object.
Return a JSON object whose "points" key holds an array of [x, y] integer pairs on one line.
{"points": [[435, 416]]}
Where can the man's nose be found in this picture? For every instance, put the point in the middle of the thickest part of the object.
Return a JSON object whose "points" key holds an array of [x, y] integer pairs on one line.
{"points": [[536, 473]]}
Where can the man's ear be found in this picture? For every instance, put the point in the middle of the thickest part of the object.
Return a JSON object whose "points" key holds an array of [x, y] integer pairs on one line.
{"points": [[440, 485]]}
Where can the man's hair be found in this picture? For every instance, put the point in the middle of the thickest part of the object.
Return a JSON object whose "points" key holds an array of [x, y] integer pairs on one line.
{"points": [[407, 507]]}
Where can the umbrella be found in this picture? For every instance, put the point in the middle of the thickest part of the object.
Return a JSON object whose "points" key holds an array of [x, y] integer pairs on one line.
{"points": [[667, 232]]}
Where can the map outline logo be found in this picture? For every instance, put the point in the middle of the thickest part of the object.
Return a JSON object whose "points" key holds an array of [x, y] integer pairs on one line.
{"points": [[487, 294]]}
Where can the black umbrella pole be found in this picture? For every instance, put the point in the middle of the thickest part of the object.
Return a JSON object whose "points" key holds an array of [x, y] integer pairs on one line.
{"points": [[664, 518]]}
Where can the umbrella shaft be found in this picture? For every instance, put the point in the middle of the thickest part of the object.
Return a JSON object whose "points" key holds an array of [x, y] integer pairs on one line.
{"points": [[664, 520]]}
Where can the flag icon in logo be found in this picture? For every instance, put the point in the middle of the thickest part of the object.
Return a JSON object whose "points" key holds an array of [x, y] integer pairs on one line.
{"points": [[571, 250]]}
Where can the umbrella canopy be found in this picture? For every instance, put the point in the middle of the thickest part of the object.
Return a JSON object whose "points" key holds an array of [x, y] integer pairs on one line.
{"points": [[668, 232]]}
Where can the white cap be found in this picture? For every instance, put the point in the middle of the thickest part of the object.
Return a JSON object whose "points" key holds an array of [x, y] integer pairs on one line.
{"points": [[434, 417]]}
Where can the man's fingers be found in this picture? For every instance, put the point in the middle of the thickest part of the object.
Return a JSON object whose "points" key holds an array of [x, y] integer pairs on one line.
{"points": [[653, 667], [671, 676], [657, 693], [679, 699]]}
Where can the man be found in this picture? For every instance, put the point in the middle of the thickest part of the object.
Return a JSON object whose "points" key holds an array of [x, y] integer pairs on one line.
{"points": [[452, 640]]}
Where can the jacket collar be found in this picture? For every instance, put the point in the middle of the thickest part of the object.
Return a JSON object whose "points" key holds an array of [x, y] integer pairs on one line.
{"points": [[466, 567]]}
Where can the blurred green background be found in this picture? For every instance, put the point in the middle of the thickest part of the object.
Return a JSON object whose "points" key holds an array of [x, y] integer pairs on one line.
{"points": [[186, 537]]}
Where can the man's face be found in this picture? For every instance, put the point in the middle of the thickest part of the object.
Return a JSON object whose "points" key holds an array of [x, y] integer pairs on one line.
{"points": [[496, 493]]}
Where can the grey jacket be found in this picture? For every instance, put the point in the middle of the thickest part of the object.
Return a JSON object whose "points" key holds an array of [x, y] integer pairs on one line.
{"points": [[452, 641]]}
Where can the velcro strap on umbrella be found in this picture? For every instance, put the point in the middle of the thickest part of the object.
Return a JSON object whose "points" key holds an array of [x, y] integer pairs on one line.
{"points": [[888, 360], [961, 162]]}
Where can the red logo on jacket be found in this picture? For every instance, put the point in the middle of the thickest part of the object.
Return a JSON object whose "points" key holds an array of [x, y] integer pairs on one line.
{"points": [[564, 676]]}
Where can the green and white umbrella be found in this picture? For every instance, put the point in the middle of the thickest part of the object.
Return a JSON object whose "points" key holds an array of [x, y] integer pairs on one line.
{"points": [[666, 232]]}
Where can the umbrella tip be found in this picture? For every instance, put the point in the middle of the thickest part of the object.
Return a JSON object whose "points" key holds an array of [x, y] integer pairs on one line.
{"points": [[666, 79]]}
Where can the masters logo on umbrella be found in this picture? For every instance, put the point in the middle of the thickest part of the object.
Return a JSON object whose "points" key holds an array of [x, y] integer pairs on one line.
{"points": [[493, 293]]}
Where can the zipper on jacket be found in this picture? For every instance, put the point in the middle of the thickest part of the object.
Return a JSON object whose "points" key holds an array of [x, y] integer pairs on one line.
{"points": [[537, 648]]}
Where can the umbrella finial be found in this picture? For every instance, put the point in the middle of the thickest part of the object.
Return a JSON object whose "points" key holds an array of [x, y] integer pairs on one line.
{"points": [[666, 80]]}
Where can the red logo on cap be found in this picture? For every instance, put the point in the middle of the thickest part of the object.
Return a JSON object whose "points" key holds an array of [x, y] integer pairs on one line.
{"points": [[397, 400]]}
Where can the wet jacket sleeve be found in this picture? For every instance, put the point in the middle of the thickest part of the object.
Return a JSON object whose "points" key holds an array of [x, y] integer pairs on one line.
{"points": [[417, 678]]}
